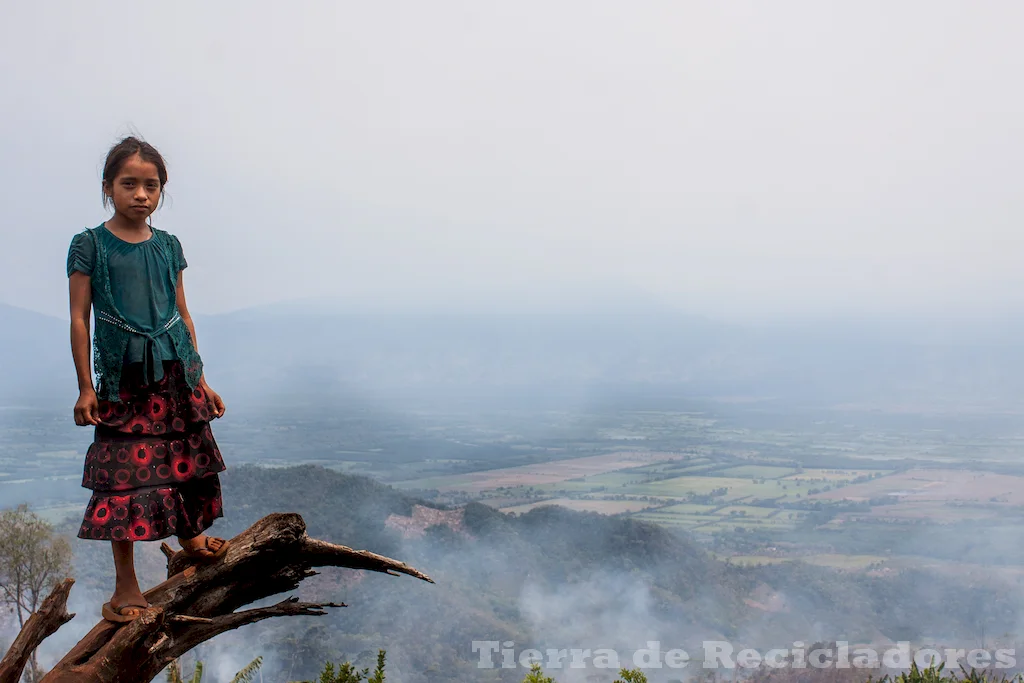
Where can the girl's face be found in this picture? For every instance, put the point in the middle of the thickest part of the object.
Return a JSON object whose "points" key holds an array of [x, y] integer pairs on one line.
{"points": [[136, 189]]}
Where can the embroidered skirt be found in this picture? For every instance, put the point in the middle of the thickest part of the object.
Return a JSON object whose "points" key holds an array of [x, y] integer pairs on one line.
{"points": [[153, 463]]}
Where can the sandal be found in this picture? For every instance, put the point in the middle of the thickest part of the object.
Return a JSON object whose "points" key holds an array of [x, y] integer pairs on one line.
{"points": [[209, 555], [118, 616]]}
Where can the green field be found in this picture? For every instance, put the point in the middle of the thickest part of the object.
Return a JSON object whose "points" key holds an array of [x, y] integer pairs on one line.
{"points": [[823, 475], [746, 511], [611, 482], [705, 519], [736, 488], [753, 499], [758, 472], [825, 560], [679, 521], [688, 508]]}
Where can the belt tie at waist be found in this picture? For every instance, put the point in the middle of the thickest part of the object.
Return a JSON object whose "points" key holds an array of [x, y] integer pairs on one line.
{"points": [[148, 356]]}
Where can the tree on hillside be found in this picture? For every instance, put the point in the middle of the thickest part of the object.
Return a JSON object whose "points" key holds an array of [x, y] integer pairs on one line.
{"points": [[536, 675], [347, 672], [246, 675], [33, 560]]}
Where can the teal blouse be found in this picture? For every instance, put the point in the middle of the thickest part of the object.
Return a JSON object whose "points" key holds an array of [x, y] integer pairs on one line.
{"points": [[141, 288]]}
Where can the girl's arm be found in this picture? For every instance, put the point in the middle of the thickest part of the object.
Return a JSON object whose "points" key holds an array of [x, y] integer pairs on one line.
{"points": [[80, 290], [217, 404]]}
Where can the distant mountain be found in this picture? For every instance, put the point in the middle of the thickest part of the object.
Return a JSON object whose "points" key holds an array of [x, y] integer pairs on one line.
{"points": [[36, 358], [537, 356], [266, 353]]}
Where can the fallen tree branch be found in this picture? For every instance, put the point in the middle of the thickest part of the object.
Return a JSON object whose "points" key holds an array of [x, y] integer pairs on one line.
{"points": [[41, 625], [198, 602]]}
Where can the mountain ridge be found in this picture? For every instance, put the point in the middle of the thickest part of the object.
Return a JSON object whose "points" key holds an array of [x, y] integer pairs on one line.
{"points": [[260, 354]]}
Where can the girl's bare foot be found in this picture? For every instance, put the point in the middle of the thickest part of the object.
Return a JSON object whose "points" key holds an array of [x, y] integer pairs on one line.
{"points": [[129, 602], [202, 545]]}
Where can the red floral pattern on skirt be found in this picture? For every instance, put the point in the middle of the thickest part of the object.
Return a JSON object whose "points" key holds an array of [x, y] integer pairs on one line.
{"points": [[153, 463], [153, 513]]}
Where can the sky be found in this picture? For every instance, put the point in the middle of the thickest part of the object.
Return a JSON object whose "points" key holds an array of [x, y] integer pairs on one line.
{"points": [[740, 159]]}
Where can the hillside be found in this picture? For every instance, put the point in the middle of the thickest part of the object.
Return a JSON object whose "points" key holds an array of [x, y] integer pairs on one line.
{"points": [[550, 578]]}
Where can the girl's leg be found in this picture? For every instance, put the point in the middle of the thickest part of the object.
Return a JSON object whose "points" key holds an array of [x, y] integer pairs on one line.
{"points": [[201, 498], [126, 585]]}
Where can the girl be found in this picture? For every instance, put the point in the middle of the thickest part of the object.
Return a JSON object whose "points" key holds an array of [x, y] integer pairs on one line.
{"points": [[153, 465]]}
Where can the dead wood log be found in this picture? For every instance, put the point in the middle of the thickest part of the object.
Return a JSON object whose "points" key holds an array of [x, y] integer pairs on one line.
{"points": [[52, 614], [198, 602]]}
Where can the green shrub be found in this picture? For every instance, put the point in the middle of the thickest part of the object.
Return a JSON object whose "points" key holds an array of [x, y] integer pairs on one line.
{"points": [[347, 673]]}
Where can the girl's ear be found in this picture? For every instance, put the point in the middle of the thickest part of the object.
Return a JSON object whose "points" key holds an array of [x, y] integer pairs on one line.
{"points": [[107, 190]]}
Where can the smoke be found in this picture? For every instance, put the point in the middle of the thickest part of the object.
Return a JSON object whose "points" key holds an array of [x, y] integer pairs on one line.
{"points": [[562, 581], [608, 611]]}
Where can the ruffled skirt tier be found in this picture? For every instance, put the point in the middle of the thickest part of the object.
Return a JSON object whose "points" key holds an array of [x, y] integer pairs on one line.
{"points": [[153, 465]]}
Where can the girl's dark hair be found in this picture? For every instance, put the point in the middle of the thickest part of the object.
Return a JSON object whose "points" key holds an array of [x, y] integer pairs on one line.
{"points": [[125, 150]]}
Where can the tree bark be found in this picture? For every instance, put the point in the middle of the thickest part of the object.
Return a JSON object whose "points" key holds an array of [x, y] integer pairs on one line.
{"points": [[198, 602], [41, 625]]}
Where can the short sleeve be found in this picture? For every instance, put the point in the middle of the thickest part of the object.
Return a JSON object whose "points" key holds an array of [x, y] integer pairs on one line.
{"points": [[82, 254], [179, 254]]}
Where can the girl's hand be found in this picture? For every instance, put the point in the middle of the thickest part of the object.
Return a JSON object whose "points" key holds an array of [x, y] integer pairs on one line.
{"points": [[215, 401], [87, 409]]}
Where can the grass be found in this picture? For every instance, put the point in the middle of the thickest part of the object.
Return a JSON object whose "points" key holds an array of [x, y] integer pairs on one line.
{"points": [[671, 521], [607, 507], [655, 516], [828, 475], [747, 511], [833, 561], [688, 509], [736, 488], [758, 472]]}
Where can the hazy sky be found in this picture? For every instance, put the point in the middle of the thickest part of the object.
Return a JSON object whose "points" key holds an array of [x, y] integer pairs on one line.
{"points": [[734, 158]]}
